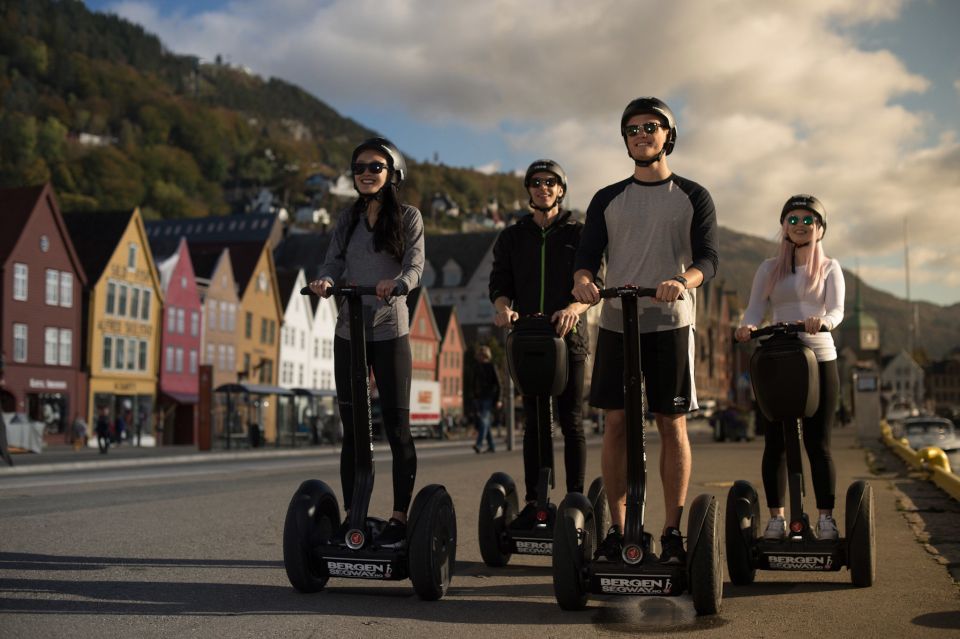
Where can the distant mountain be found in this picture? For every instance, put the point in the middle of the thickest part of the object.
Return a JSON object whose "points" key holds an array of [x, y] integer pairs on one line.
{"points": [[939, 326], [99, 107]]}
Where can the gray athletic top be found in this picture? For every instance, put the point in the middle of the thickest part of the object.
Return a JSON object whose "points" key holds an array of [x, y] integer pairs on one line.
{"points": [[362, 265], [651, 231]]}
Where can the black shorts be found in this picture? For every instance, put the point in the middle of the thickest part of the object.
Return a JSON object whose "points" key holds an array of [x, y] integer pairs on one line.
{"points": [[666, 359]]}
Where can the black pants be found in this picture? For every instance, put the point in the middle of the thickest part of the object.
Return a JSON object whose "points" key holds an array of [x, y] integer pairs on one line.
{"points": [[391, 363], [816, 441], [568, 405]]}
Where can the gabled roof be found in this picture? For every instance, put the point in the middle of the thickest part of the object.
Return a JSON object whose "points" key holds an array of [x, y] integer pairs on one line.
{"points": [[286, 279], [224, 230], [205, 259], [243, 258], [443, 314], [413, 299], [302, 250], [466, 249], [95, 236]]}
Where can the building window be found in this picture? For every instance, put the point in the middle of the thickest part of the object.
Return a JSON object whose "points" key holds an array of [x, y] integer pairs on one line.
{"points": [[194, 323], [222, 356], [273, 332], [248, 326], [181, 328], [122, 301], [179, 360], [143, 355], [211, 353], [20, 342], [327, 349], [300, 374], [118, 353], [107, 351], [246, 364], [212, 314], [223, 317], [231, 317], [193, 362], [66, 289], [66, 347], [134, 302], [168, 366], [51, 338], [263, 330], [132, 256], [266, 372], [20, 272], [316, 348], [52, 289], [171, 319], [145, 307], [111, 298], [131, 353]]}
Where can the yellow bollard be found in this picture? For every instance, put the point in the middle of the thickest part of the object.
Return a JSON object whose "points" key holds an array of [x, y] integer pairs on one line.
{"points": [[933, 457]]}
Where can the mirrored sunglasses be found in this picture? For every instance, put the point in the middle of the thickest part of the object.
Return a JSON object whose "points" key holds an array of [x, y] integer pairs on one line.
{"points": [[807, 220], [359, 168], [548, 182], [647, 127]]}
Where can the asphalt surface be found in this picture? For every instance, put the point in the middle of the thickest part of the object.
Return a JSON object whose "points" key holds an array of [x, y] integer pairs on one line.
{"points": [[161, 542]]}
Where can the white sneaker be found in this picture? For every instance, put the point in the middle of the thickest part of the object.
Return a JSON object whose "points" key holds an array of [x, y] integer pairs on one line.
{"points": [[827, 528], [776, 529]]}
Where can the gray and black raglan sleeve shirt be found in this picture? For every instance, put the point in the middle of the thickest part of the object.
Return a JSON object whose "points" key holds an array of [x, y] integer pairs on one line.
{"points": [[362, 264], [650, 231]]}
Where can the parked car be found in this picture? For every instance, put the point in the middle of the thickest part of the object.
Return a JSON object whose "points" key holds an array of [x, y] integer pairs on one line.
{"points": [[930, 431]]}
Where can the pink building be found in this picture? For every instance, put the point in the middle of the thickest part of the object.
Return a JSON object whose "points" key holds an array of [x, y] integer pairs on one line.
{"points": [[180, 343]]}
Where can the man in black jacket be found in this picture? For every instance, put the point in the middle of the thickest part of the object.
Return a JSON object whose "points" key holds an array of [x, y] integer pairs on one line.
{"points": [[532, 269]]}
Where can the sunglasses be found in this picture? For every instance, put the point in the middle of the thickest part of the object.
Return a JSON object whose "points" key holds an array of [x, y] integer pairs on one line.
{"points": [[808, 220], [359, 168], [647, 127], [548, 182]]}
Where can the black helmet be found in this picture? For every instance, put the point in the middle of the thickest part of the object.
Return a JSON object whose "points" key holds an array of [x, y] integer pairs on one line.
{"points": [[807, 203], [651, 105], [398, 166], [546, 166]]}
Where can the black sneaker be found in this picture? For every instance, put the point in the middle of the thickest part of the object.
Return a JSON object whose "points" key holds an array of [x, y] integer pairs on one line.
{"points": [[393, 534], [671, 545], [612, 545], [527, 518]]}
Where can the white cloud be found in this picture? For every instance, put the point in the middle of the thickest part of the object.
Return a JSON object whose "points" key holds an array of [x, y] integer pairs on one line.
{"points": [[488, 169], [772, 98]]}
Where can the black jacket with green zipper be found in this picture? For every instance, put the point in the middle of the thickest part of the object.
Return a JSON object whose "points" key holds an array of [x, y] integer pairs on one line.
{"points": [[533, 268]]}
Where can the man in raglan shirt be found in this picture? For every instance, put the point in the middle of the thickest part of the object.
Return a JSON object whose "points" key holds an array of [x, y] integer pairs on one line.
{"points": [[658, 230]]}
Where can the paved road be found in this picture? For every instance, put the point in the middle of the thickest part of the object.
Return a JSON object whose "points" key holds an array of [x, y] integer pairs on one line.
{"points": [[194, 550]]}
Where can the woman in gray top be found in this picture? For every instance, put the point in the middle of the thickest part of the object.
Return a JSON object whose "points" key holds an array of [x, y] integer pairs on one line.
{"points": [[378, 241]]}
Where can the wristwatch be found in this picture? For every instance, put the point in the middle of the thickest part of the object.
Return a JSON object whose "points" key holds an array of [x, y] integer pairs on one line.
{"points": [[681, 279]]}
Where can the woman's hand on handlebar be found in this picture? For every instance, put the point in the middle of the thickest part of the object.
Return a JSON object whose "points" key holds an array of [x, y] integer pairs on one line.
{"points": [[669, 291], [813, 324], [505, 318], [321, 287], [385, 289], [743, 333], [564, 320]]}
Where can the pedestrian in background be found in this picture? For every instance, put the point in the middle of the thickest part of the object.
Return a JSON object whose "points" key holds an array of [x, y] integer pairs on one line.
{"points": [[486, 396]]}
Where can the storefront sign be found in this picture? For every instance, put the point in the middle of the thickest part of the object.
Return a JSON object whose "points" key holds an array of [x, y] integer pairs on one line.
{"points": [[48, 384]]}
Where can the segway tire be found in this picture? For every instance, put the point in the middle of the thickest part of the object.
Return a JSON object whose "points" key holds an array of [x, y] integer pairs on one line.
{"points": [[573, 544], [703, 555], [597, 495], [312, 517], [741, 521], [861, 534], [432, 542], [498, 507]]}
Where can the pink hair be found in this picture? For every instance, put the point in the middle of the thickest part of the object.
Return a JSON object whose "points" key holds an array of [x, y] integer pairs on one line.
{"points": [[815, 267]]}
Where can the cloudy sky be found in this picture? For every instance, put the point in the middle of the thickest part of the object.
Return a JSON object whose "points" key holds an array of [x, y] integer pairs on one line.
{"points": [[856, 101]]}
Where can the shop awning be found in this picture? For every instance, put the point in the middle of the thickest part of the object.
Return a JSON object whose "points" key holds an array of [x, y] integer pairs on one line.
{"points": [[314, 392], [181, 398], [253, 389]]}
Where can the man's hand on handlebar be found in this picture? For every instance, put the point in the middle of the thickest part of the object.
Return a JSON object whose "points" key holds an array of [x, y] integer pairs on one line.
{"points": [[564, 320], [743, 333], [586, 293], [670, 291], [505, 318]]}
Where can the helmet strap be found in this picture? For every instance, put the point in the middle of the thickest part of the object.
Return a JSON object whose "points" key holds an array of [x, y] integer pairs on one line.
{"points": [[652, 160], [793, 254]]}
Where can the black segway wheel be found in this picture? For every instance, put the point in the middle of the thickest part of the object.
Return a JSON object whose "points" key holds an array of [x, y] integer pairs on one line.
{"points": [[498, 507], [601, 509], [312, 517], [861, 535], [573, 544], [742, 525], [432, 542], [703, 555]]}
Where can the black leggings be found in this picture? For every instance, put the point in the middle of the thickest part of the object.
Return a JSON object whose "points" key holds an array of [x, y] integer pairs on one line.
{"points": [[571, 425], [391, 363], [816, 441]]}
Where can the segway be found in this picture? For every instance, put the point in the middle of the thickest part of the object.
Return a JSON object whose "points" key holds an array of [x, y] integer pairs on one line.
{"points": [[787, 387], [537, 359], [311, 553], [637, 571]]}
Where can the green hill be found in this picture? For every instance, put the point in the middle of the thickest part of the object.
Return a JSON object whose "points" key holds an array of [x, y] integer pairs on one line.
{"points": [[96, 105]]}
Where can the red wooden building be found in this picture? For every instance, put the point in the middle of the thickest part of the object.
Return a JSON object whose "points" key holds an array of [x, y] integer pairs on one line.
{"points": [[450, 361]]}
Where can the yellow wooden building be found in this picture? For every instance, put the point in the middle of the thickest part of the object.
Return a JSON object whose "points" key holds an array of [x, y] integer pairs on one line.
{"points": [[123, 304]]}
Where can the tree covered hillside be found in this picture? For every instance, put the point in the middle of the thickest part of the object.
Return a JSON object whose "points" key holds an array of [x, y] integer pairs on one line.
{"points": [[96, 105]]}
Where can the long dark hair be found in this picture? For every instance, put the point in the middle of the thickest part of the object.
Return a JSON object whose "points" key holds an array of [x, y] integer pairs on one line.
{"points": [[388, 231]]}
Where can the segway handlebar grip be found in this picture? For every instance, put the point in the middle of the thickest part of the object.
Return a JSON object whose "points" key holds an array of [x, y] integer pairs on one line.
{"points": [[349, 290], [629, 290], [783, 328]]}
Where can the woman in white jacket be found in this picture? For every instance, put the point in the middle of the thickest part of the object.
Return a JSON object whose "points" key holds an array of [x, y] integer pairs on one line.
{"points": [[801, 284]]}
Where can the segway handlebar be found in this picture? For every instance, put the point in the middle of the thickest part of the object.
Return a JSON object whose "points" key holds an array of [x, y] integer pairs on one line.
{"points": [[349, 290], [783, 328], [629, 290]]}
